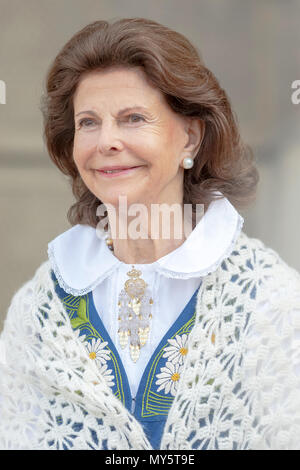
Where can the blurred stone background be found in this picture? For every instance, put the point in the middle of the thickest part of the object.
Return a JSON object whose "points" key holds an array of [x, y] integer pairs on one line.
{"points": [[252, 47]]}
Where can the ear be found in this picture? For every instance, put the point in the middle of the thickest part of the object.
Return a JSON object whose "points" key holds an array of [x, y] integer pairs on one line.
{"points": [[195, 129]]}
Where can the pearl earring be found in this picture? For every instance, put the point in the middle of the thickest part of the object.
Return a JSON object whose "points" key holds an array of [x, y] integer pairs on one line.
{"points": [[188, 163]]}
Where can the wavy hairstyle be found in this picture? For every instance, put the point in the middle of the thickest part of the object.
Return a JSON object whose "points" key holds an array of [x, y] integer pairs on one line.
{"points": [[174, 66]]}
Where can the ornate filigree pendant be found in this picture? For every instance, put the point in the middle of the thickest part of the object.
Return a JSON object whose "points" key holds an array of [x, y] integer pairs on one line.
{"points": [[134, 313]]}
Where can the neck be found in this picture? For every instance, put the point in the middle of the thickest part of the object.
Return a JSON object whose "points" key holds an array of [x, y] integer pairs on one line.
{"points": [[143, 251], [148, 237]]}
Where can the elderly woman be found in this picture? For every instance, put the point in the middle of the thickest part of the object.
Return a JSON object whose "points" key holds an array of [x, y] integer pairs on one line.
{"points": [[128, 340]]}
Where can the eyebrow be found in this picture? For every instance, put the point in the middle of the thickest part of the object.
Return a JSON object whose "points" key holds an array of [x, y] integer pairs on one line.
{"points": [[122, 111]]}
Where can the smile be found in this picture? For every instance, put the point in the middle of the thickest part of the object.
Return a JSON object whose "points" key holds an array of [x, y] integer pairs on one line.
{"points": [[117, 171]]}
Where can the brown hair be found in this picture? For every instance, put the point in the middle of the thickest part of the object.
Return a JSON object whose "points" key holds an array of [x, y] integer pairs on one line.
{"points": [[173, 65]]}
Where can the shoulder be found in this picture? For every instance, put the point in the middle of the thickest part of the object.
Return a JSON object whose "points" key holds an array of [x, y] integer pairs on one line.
{"points": [[252, 258], [254, 273], [273, 284], [28, 295], [255, 282]]}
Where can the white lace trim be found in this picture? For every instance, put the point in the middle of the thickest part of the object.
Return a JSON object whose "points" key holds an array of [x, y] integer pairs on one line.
{"points": [[65, 286], [161, 270], [213, 267], [230, 223]]}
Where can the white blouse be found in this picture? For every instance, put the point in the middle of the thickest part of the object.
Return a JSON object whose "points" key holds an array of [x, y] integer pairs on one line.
{"points": [[82, 262]]}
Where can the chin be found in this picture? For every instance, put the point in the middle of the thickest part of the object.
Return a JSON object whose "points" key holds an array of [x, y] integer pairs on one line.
{"points": [[124, 199]]}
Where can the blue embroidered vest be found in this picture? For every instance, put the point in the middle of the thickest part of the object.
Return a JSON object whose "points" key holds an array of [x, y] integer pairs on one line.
{"points": [[158, 384]]}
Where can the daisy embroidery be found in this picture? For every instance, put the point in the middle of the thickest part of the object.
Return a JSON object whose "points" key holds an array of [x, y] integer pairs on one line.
{"points": [[168, 378], [97, 352], [177, 350], [107, 374]]}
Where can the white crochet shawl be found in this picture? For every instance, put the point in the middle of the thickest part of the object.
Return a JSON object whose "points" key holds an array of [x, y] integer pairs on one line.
{"points": [[239, 391]]}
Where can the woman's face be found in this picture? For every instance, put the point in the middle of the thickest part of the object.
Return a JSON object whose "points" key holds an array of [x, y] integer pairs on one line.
{"points": [[123, 121]]}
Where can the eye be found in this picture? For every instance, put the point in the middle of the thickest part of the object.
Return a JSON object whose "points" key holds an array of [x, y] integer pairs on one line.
{"points": [[86, 123], [136, 118]]}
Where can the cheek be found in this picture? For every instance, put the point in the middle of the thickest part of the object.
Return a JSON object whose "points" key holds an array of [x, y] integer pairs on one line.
{"points": [[82, 149], [173, 143]]}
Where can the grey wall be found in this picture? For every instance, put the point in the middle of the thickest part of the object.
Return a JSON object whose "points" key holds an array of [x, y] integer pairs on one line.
{"points": [[252, 47]]}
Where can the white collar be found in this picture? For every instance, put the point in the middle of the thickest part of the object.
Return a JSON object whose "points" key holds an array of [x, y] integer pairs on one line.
{"points": [[81, 260]]}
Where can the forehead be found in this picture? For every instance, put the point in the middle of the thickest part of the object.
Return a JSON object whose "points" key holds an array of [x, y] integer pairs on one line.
{"points": [[118, 82]]}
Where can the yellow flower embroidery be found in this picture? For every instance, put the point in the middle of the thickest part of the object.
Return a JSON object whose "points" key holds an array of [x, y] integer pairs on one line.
{"points": [[175, 377], [167, 379], [183, 351]]}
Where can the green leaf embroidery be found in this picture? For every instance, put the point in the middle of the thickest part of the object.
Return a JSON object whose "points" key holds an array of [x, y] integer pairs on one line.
{"points": [[81, 312], [76, 322], [81, 317]]}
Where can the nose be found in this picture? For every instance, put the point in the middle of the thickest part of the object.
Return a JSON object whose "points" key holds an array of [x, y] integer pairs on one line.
{"points": [[109, 142]]}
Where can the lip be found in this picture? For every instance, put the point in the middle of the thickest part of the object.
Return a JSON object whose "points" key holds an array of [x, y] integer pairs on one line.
{"points": [[122, 170]]}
